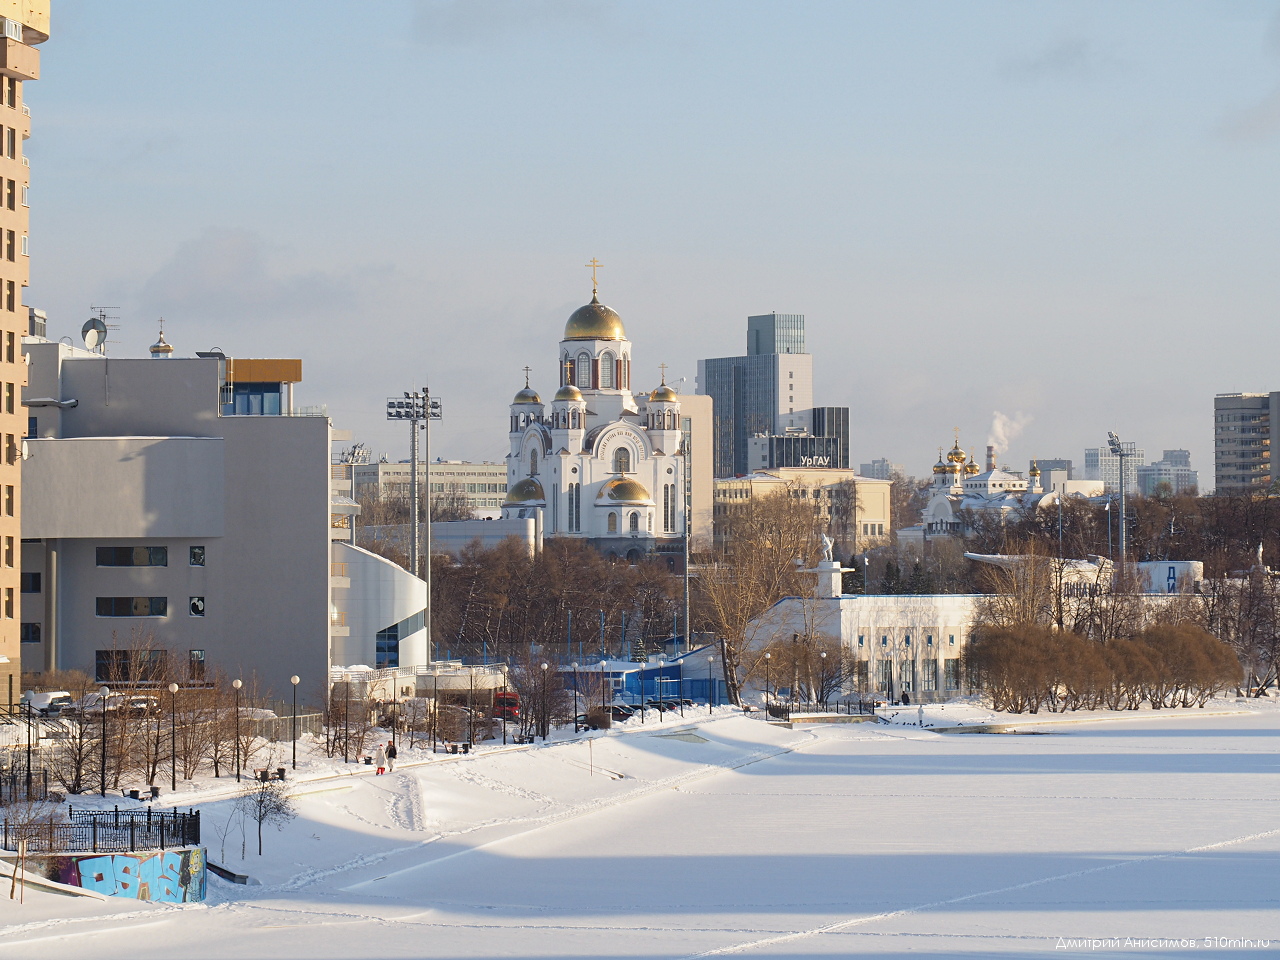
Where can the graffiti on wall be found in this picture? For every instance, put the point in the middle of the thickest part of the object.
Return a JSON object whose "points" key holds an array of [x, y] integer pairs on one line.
{"points": [[174, 876]]}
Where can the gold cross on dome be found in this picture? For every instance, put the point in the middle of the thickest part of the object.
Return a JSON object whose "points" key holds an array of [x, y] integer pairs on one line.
{"points": [[527, 371], [594, 265], [663, 368]]}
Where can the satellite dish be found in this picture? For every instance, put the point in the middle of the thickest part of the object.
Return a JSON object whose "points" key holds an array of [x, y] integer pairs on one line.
{"points": [[94, 333]]}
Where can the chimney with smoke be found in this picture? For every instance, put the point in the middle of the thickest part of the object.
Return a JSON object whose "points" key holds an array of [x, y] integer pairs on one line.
{"points": [[991, 456]]}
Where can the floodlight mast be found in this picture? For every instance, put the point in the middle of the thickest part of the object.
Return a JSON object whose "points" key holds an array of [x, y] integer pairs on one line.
{"points": [[1123, 451]]}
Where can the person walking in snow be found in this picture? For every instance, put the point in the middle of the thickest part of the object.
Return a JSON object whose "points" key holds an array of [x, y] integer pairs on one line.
{"points": [[380, 760], [392, 753]]}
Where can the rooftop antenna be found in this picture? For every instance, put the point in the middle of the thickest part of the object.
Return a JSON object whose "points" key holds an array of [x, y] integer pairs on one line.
{"points": [[94, 331]]}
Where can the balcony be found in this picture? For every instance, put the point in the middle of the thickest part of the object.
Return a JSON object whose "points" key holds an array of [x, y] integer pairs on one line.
{"points": [[338, 624], [338, 576]]}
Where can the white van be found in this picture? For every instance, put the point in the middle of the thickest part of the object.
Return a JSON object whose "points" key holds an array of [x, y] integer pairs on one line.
{"points": [[49, 703]]}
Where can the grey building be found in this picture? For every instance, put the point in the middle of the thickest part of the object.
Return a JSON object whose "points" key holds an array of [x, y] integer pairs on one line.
{"points": [[1172, 474], [184, 517], [1246, 428], [775, 333], [880, 469]]}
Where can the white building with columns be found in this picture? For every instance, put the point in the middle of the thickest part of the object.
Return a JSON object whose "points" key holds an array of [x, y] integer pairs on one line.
{"points": [[600, 463]]}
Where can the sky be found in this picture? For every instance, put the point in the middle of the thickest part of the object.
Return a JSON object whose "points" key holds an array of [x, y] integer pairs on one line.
{"points": [[1064, 215]]}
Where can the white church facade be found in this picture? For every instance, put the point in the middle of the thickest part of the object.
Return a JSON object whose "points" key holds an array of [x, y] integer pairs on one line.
{"points": [[599, 463]]}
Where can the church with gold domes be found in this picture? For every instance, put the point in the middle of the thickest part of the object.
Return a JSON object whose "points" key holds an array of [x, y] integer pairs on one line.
{"points": [[600, 463]]}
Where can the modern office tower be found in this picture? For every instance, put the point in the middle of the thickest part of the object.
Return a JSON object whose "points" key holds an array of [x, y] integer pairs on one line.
{"points": [[1246, 428], [769, 392], [1171, 474], [775, 333], [25, 25]]}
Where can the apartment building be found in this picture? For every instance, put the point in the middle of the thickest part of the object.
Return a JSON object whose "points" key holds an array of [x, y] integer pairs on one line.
{"points": [[1246, 428], [25, 24]]}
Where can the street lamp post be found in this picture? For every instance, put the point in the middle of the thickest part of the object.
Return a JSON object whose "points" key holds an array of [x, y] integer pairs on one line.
{"points": [[640, 681], [603, 704], [435, 706], [173, 738], [575, 696], [236, 685], [103, 693], [294, 681], [545, 713], [680, 687], [767, 658], [711, 662], [822, 679]]}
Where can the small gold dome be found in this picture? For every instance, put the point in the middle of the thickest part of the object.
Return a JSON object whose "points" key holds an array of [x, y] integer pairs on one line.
{"points": [[594, 321], [527, 490], [665, 394], [971, 468], [625, 490], [1035, 468], [527, 395], [956, 455], [568, 392], [160, 348]]}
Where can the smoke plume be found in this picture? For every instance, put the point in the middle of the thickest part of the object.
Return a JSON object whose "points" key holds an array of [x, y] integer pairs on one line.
{"points": [[1004, 429]]}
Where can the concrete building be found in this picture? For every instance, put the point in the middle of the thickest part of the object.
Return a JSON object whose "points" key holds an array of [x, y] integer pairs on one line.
{"points": [[184, 517], [1171, 474], [1246, 428], [880, 470], [855, 509], [1101, 464], [483, 486], [25, 24], [604, 464]]}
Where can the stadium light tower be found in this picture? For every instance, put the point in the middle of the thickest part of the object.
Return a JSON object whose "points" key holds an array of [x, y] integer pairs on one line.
{"points": [[1124, 451]]}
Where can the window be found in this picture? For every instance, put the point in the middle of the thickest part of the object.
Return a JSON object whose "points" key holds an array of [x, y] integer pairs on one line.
{"points": [[30, 633], [533, 463], [195, 665], [928, 675], [8, 552], [11, 194], [613, 523], [860, 638], [133, 556], [195, 606], [622, 460], [129, 666], [33, 427], [133, 606], [884, 674], [8, 397], [951, 672], [582, 375], [31, 583], [253, 399], [12, 31], [10, 245], [387, 640], [195, 557], [26, 246], [8, 344], [635, 522], [607, 366], [8, 603], [10, 298], [904, 675], [11, 88], [25, 191], [11, 143], [8, 500]]}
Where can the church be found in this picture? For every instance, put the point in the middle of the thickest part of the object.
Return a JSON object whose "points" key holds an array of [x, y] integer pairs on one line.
{"points": [[601, 464]]}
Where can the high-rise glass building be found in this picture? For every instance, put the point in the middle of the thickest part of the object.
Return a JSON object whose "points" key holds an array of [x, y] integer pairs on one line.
{"points": [[1246, 428], [775, 333]]}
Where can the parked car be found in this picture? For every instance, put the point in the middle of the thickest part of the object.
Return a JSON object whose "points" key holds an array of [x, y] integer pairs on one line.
{"points": [[621, 711], [49, 703]]}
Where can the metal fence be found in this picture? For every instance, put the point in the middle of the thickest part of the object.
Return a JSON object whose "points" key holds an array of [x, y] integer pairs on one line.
{"points": [[281, 727], [783, 709], [106, 831]]}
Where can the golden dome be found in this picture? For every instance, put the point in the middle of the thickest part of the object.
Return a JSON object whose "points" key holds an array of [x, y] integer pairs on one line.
{"points": [[956, 455], [971, 468], [568, 392], [665, 394], [526, 490], [160, 348], [939, 467], [1035, 468], [595, 321], [625, 490], [527, 395]]}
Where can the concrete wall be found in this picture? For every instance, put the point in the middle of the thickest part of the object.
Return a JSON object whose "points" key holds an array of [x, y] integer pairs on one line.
{"points": [[378, 595], [168, 876]]}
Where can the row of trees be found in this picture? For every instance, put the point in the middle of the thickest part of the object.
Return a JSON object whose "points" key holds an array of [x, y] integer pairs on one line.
{"points": [[1023, 667]]}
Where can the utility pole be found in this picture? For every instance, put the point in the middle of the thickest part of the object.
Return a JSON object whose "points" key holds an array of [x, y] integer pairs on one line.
{"points": [[1123, 451]]}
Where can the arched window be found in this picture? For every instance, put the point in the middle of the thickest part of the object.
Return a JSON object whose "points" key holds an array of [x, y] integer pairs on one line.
{"points": [[573, 419], [622, 460], [607, 365], [582, 376], [626, 373], [613, 523], [635, 522], [533, 463]]}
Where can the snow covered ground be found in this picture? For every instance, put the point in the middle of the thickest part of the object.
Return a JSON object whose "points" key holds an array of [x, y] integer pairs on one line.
{"points": [[724, 836]]}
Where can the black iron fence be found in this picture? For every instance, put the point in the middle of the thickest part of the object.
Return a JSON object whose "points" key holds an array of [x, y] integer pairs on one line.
{"points": [[783, 709], [106, 831]]}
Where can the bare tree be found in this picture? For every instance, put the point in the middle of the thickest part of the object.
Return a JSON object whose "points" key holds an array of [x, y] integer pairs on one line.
{"points": [[266, 801]]}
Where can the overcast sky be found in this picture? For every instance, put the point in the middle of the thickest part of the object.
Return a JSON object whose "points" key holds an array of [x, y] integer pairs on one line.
{"points": [[1064, 212]]}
